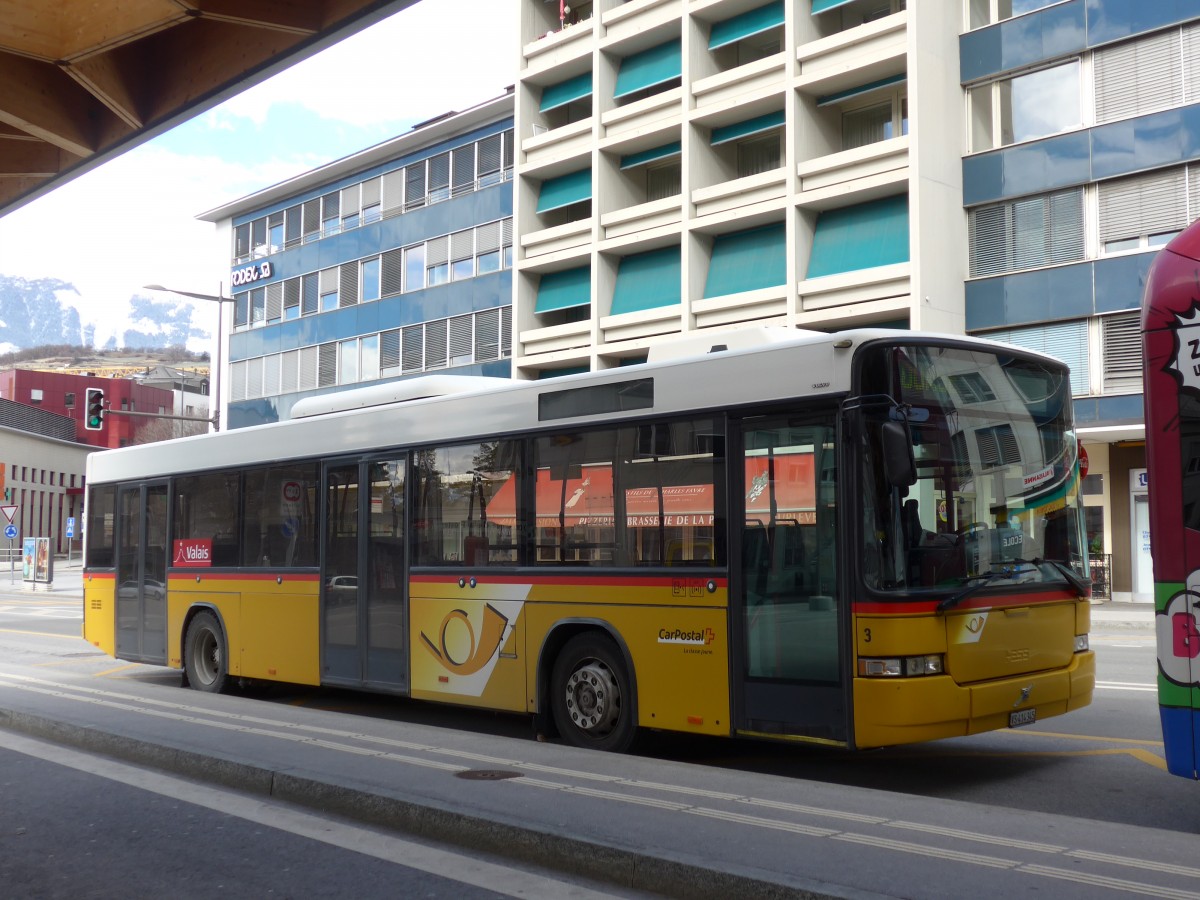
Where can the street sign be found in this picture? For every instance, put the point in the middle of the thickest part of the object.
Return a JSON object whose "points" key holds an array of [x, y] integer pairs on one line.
{"points": [[70, 526], [10, 531], [10, 512]]}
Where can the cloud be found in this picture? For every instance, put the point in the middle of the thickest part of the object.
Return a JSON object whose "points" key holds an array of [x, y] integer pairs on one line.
{"points": [[433, 57], [131, 221]]}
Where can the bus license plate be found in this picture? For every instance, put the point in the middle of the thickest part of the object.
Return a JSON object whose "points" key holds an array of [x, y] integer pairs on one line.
{"points": [[1022, 717]]}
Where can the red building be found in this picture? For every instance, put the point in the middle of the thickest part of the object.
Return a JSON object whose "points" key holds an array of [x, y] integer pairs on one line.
{"points": [[64, 394]]}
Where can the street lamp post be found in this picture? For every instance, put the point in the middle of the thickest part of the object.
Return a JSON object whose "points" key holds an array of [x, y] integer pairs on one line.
{"points": [[220, 301]]}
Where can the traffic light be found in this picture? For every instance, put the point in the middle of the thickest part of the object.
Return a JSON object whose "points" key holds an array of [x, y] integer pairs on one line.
{"points": [[93, 419]]}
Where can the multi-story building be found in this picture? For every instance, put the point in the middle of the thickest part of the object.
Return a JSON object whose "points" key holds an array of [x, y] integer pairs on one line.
{"points": [[392, 262], [1005, 169], [65, 394], [41, 477]]}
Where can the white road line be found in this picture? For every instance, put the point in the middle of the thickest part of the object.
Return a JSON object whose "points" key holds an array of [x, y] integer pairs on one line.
{"points": [[442, 863], [328, 739], [1125, 686]]}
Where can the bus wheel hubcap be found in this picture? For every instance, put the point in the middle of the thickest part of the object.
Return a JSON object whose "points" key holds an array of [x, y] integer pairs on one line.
{"points": [[210, 658], [593, 698]]}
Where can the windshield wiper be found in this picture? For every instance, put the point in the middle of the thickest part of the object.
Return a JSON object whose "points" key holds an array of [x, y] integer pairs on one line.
{"points": [[974, 583], [1072, 577], [1069, 575]]}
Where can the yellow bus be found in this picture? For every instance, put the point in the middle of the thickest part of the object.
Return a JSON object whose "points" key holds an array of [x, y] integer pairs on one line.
{"points": [[859, 539]]}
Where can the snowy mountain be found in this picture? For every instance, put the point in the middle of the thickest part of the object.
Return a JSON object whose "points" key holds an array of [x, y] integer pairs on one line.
{"points": [[35, 312]]}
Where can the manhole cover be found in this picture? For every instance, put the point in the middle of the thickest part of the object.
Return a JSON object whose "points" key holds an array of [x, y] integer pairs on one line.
{"points": [[486, 774]]}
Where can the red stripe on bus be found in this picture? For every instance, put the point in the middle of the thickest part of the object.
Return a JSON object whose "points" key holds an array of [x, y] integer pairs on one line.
{"points": [[610, 581], [869, 607], [209, 575]]}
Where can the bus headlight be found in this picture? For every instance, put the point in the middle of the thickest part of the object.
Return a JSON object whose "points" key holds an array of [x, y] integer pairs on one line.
{"points": [[897, 666], [1081, 643]]}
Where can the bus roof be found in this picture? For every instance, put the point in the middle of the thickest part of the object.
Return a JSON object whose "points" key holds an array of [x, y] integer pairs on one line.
{"points": [[432, 409]]}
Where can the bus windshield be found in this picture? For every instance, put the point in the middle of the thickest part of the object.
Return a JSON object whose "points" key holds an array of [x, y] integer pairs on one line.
{"points": [[993, 497]]}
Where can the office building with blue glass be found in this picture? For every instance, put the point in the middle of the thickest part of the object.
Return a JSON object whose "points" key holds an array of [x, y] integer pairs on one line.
{"points": [[998, 167], [390, 263]]}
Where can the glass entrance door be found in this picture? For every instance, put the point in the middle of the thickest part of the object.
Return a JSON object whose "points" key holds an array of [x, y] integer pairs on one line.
{"points": [[364, 613], [786, 608], [142, 573]]}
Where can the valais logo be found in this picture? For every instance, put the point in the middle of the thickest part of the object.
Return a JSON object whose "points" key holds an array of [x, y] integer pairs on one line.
{"points": [[193, 552]]}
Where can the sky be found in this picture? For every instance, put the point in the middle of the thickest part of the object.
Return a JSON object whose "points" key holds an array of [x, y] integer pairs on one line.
{"points": [[132, 221]]}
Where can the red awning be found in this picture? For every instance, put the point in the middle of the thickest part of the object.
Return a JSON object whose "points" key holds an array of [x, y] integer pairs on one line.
{"points": [[588, 499]]}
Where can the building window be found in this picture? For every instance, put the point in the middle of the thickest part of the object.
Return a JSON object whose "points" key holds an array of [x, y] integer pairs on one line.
{"points": [[370, 279], [749, 36], [664, 180], [348, 362], [1066, 341], [875, 123], [751, 146], [1146, 211], [414, 268], [1121, 350], [649, 72], [986, 12], [760, 154], [1024, 234], [1034, 105]]}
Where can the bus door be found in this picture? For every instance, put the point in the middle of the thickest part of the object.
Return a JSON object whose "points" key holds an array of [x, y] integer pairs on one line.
{"points": [[142, 572], [363, 608], [788, 650]]}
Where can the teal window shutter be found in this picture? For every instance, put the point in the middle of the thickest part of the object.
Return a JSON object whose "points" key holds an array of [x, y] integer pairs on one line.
{"points": [[860, 237], [564, 290], [860, 90], [820, 6], [666, 151], [648, 68], [558, 192], [755, 21], [648, 281], [757, 125], [556, 95], [559, 373], [747, 261]]}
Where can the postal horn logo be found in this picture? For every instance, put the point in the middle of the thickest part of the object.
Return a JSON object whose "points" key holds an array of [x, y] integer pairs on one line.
{"points": [[456, 647]]}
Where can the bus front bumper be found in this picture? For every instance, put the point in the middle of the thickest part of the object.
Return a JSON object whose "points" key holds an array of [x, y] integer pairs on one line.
{"points": [[908, 710]]}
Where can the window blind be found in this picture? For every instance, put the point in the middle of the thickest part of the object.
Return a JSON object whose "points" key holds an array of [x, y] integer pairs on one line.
{"points": [[1145, 204], [1122, 340], [1066, 341], [1138, 76]]}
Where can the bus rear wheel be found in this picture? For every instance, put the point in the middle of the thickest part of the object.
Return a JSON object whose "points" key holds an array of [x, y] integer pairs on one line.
{"points": [[204, 658], [591, 695]]}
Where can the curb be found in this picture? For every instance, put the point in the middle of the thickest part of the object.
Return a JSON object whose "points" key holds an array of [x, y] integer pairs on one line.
{"points": [[600, 861]]}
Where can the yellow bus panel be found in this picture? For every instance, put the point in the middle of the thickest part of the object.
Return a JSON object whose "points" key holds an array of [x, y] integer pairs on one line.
{"points": [[680, 659]]}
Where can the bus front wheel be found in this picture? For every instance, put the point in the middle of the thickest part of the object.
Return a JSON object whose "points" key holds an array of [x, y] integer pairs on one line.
{"points": [[591, 695], [204, 654]]}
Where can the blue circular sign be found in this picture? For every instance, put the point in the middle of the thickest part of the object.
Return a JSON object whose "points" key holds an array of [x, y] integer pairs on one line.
{"points": [[10, 531]]}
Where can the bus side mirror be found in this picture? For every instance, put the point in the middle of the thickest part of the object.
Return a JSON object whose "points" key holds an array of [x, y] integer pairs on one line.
{"points": [[899, 466]]}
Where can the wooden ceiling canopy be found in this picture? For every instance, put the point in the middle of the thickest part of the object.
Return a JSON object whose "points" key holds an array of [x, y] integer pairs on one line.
{"points": [[83, 80]]}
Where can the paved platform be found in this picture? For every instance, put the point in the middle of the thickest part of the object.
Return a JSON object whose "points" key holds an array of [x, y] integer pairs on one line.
{"points": [[642, 823]]}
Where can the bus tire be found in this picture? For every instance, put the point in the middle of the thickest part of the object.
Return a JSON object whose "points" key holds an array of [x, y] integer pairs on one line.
{"points": [[591, 695], [204, 654]]}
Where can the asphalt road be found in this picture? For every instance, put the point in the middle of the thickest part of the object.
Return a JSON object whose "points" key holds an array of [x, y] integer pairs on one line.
{"points": [[1101, 765]]}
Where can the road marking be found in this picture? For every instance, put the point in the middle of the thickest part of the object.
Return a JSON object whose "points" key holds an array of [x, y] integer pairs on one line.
{"points": [[329, 739], [443, 863], [73, 637], [1125, 686]]}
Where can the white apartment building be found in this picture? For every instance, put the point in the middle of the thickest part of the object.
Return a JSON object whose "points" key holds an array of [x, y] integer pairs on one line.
{"points": [[1000, 167]]}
